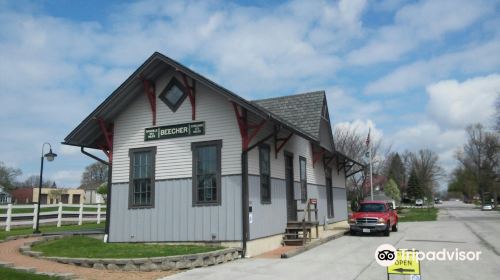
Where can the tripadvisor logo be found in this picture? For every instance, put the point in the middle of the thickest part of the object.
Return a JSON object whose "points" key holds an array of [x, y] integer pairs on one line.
{"points": [[385, 255]]}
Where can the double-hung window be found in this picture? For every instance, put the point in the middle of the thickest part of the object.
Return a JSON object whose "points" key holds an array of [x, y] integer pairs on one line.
{"points": [[142, 177], [207, 172], [265, 174], [303, 179]]}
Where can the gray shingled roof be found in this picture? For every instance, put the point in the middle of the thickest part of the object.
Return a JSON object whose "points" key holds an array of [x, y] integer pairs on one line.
{"points": [[301, 110]]}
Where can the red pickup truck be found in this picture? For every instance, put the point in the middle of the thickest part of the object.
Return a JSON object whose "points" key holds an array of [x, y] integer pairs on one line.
{"points": [[374, 216]]}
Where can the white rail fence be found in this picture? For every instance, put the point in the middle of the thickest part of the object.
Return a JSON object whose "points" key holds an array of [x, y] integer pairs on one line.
{"points": [[18, 215]]}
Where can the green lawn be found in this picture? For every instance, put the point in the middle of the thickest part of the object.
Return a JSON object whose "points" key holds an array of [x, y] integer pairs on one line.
{"points": [[51, 209], [45, 229], [12, 274], [418, 214], [87, 247]]}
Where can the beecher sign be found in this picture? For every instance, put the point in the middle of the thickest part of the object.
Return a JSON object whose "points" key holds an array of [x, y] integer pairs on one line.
{"points": [[174, 131]]}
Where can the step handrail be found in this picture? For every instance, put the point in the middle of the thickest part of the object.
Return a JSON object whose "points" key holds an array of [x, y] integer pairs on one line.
{"points": [[311, 201]]}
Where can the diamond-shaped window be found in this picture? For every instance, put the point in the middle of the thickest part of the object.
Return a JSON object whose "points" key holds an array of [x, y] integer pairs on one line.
{"points": [[174, 94]]}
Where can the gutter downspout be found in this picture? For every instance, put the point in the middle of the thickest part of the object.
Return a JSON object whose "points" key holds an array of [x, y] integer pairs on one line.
{"points": [[244, 200], [108, 199]]}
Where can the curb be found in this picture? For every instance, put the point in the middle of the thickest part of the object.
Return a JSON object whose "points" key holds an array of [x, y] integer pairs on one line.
{"points": [[167, 263], [15, 237], [313, 244], [65, 276]]}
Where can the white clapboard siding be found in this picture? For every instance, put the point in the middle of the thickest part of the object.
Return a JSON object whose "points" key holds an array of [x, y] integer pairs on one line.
{"points": [[338, 178], [173, 158], [296, 145]]}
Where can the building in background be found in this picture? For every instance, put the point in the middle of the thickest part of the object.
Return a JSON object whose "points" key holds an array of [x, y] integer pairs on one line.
{"points": [[56, 195], [91, 195], [22, 196], [5, 196]]}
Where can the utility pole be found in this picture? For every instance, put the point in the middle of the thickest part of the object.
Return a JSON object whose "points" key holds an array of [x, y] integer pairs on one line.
{"points": [[369, 143]]}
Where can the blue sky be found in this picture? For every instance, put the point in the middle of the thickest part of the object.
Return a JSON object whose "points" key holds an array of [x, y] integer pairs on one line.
{"points": [[417, 71]]}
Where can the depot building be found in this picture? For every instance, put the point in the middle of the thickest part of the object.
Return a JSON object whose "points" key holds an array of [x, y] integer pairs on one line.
{"points": [[194, 162]]}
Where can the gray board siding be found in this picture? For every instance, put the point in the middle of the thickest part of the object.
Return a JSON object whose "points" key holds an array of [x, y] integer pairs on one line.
{"points": [[339, 205], [267, 218], [174, 218], [270, 219], [319, 192]]}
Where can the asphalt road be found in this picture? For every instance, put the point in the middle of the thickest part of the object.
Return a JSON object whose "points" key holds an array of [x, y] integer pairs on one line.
{"points": [[459, 227]]}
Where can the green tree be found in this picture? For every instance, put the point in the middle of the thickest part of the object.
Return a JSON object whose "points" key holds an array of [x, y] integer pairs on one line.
{"points": [[8, 175], [391, 190], [396, 171], [463, 181], [56, 194], [103, 189], [415, 190]]}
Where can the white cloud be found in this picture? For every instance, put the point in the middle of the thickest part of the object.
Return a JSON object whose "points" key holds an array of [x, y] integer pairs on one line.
{"points": [[55, 70], [479, 58], [454, 104], [428, 135], [344, 106], [69, 150], [362, 127], [70, 178], [418, 23]]}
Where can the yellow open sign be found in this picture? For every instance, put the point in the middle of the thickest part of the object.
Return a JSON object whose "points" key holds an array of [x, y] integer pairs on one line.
{"points": [[406, 263]]}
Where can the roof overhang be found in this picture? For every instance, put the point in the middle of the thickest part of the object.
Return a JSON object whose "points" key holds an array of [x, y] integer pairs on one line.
{"points": [[88, 134]]}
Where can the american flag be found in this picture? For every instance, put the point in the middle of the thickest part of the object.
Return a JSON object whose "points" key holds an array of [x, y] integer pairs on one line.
{"points": [[368, 138]]}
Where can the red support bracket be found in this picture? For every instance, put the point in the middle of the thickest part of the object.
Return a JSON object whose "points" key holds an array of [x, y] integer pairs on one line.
{"points": [[191, 91], [256, 128], [277, 148], [327, 160], [107, 131], [149, 91], [241, 117], [317, 155]]}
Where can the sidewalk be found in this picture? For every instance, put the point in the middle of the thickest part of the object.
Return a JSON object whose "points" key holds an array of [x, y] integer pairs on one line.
{"points": [[9, 252], [333, 231]]}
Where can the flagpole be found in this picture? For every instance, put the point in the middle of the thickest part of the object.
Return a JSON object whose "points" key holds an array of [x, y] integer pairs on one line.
{"points": [[371, 171]]}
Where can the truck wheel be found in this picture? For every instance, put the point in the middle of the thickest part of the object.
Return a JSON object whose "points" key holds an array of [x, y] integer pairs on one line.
{"points": [[352, 232], [395, 227], [387, 231]]}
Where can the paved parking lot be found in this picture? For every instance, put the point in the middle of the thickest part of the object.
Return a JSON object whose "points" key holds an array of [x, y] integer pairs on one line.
{"points": [[459, 227]]}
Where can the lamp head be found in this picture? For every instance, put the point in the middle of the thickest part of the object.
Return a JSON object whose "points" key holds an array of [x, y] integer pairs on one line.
{"points": [[50, 155]]}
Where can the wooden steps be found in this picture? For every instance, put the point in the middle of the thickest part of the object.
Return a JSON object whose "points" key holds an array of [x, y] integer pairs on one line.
{"points": [[299, 232]]}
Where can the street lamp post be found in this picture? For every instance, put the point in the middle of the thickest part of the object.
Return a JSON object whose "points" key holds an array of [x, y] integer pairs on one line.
{"points": [[50, 157]]}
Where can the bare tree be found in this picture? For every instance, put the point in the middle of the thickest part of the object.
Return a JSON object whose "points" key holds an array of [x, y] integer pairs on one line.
{"points": [[94, 175], [353, 144], [480, 156], [428, 171], [8, 175], [34, 180], [497, 114]]}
